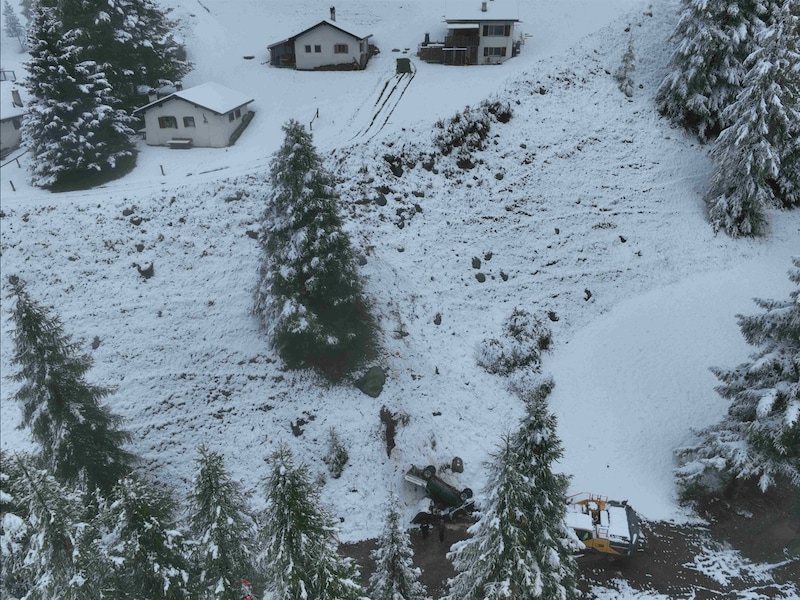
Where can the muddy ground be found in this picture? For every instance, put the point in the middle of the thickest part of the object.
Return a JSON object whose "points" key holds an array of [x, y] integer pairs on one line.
{"points": [[764, 528]]}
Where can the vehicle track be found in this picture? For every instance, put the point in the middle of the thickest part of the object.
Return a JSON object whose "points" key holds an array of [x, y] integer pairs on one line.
{"points": [[386, 104]]}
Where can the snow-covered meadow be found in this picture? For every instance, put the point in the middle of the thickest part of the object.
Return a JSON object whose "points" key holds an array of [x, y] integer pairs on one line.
{"points": [[586, 206]]}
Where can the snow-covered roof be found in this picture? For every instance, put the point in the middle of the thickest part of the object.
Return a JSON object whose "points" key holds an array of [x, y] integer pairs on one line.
{"points": [[8, 110], [472, 10], [210, 95], [343, 27]]}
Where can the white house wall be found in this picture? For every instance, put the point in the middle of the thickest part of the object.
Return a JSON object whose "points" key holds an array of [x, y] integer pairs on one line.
{"points": [[9, 135], [210, 130], [326, 37], [495, 41]]}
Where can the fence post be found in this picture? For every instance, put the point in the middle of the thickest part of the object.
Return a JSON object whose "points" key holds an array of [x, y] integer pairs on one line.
{"points": [[13, 189]]}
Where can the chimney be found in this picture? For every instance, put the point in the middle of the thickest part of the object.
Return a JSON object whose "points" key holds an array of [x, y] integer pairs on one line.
{"points": [[179, 85], [427, 39], [333, 13], [483, 6], [15, 97]]}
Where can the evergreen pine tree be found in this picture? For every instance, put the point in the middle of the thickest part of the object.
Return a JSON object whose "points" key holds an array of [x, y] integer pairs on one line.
{"points": [[73, 127], [628, 66], [223, 529], [765, 124], [537, 448], [143, 545], [310, 296], [133, 42], [13, 28], [395, 576], [521, 546], [760, 435], [300, 551], [79, 438], [14, 529], [55, 564], [712, 39]]}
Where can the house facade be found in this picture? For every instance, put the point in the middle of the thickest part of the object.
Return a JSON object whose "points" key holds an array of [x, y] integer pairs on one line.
{"points": [[479, 32], [327, 45], [206, 115], [11, 113]]}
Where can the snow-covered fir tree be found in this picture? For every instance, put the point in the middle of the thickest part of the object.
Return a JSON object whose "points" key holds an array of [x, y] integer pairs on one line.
{"points": [[56, 562], [521, 546], [222, 528], [712, 39], [624, 75], [537, 447], [299, 553], [13, 28], [73, 127], [759, 438], [395, 576], [782, 41], [765, 127], [132, 40], [143, 546], [79, 437], [14, 529], [310, 297]]}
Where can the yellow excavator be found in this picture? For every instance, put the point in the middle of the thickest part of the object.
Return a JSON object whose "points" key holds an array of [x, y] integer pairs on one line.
{"points": [[605, 526]]}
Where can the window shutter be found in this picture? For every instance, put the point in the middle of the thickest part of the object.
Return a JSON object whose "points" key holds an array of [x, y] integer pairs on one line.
{"points": [[485, 30], [507, 31]]}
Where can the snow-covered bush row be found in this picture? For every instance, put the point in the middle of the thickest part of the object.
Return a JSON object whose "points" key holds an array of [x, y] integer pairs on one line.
{"points": [[469, 129]]}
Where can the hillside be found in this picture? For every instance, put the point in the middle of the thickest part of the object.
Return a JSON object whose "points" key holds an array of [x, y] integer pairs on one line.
{"points": [[584, 209]]}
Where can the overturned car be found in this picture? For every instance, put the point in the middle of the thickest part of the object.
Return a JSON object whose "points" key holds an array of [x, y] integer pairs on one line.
{"points": [[443, 501]]}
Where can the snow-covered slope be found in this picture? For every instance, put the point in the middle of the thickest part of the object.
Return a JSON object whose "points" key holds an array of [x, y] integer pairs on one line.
{"points": [[585, 205]]}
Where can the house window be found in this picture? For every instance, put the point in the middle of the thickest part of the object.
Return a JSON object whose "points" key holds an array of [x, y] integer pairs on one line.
{"points": [[167, 122], [308, 48], [231, 116], [340, 49], [494, 51], [496, 30], [188, 121], [238, 113], [317, 49]]}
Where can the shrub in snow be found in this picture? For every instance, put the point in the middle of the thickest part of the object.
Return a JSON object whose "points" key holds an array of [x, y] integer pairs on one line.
{"points": [[337, 456], [223, 530], [712, 39], [79, 437], [525, 338], [395, 576], [468, 130], [628, 66], [521, 546], [298, 539], [310, 297], [757, 156], [760, 435]]}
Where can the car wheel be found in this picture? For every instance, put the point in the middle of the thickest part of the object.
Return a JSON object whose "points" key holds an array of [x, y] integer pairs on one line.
{"points": [[465, 495], [428, 472]]}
